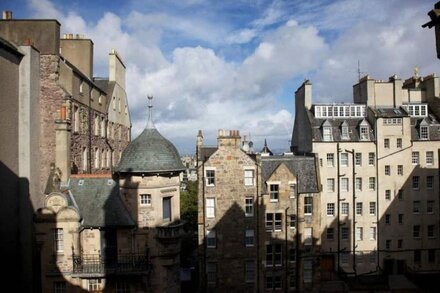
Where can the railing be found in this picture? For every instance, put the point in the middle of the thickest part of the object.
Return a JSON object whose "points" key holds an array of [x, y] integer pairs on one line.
{"points": [[92, 264], [170, 232]]}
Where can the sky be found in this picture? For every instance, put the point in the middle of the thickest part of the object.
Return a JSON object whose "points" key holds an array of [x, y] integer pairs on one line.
{"points": [[235, 64]]}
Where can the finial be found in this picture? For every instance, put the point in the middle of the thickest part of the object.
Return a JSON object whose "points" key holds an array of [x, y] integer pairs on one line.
{"points": [[265, 143], [150, 124], [416, 71]]}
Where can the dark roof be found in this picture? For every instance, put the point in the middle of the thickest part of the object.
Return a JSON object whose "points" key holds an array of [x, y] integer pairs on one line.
{"points": [[335, 124], [430, 122], [150, 152], [206, 152], [303, 167], [99, 203]]}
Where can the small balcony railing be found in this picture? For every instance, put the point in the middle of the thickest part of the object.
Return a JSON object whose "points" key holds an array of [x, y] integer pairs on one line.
{"points": [[171, 232], [95, 264]]}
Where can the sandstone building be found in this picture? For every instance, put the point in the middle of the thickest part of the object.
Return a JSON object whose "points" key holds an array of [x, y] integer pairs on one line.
{"points": [[378, 166], [248, 206], [117, 233]]}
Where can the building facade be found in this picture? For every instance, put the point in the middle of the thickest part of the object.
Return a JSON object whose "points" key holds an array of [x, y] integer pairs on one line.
{"points": [[378, 166], [248, 206]]}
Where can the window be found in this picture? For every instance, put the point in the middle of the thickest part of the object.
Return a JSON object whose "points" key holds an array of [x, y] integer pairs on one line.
{"points": [[76, 118], [388, 194], [59, 287], [430, 206], [292, 254], [308, 236], [417, 255], [387, 219], [400, 194], [249, 177], [81, 88], [429, 158], [431, 255], [400, 243], [372, 233], [372, 183], [210, 177], [249, 238], [415, 158], [211, 239], [250, 270], [103, 123], [364, 133], [372, 257], [344, 208], [424, 134], [210, 207], [211, 271], [97, 158], [166, 209], [371, 158], [330, 160], [85, 158], [416, 231], [273, 255], [344, 184], [249, 206], [292, 190], [358, 182], [344, 159], [96, 124], [308, 205], [359, 208], [399, 143], [330, 184], [344, 233], [58, 240], [372, 207], [431, 229], [386, 143], [95, 284], [308, 271], [328, 136], [429, 182], [292, 221], [387, 244], [400, 170], [387, 170], [415, 182], [416, 206], [273, 282], [358, 159], [359, 257], [274, 192], [344, 259], [344, 132], [145, 199], [330, 233], [330, 209], [273, 222], [400, 219], [359, 233]]}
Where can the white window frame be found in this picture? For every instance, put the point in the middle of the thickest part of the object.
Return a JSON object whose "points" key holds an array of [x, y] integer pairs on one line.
{"points": [[371, 158], [210, 207], [372, 183], [58, 237], [331, 209], [373, 231], [415, 158], [249, 235], [416, 207], [249, 206], [210, 180], [424, 132], [249, 177], [330, 184], [345, 208], [415, 182], [358, 159], [358, 182], [330, 159], [344, 184], [359, 208], [400, 170], [327, 134], [429, 158], [399, 143], [274, 195], [372, 208], [145, 199], [344, 159], [211, 239], [364, 135], [359, 233], [308, 236], [308, 205]]}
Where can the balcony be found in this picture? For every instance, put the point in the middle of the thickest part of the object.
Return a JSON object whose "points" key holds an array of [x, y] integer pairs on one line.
{"points": [[95, 265], [170, 233]]}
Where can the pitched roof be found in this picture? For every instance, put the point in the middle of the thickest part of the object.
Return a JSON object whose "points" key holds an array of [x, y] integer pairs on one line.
{"points": [[303, 167], [98, 202]]}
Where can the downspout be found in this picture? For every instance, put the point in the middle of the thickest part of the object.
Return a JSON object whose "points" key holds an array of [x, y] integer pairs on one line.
{"points": [[258, 226], [285, 251], [89, 163], [377, 195], [297, 250], [354, 213], [203, 268], [338, 208]]}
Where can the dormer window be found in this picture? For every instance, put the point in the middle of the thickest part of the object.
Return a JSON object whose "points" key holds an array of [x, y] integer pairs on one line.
{"points": [[344, 131], [364, 130], [424, 133], [327, 134]]}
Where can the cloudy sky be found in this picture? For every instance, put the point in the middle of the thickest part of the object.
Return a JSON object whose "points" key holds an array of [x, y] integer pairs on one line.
{"points": [[235, 64]]}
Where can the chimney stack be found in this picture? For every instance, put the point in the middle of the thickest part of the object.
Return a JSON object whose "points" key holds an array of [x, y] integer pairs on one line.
{"points": [[7, 14]]}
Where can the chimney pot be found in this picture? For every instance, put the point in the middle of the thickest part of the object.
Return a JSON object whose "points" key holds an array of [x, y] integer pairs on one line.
{"points": [[7, 14]]}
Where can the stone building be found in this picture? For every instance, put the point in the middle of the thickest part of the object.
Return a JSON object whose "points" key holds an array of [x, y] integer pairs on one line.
{"points": [[19, 160], [248, 208], [117, 233], [83, 118], [378, 165]]}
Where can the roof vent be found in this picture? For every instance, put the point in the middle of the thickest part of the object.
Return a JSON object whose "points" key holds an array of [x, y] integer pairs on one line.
{"points": [[81, 182]]}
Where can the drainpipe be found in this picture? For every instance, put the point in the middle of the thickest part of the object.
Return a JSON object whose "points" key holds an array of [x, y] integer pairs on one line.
{"points": [[89, 163], [286, 268], [297, 240], [353, 210], [257, 182], [203, 266], [338, 208]]}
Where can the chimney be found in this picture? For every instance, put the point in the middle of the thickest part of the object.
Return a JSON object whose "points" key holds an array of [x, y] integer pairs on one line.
{"points": [[78, 51], [229, 138], [7, 14], [116, 68], [62, 147]]}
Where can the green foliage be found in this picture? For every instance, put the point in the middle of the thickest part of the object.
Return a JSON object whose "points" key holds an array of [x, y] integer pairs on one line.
{"points": [[188, 206]]}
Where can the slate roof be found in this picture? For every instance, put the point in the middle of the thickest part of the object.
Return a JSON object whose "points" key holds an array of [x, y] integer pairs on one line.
{"points": [[98, 202], [303, 167], [150, 152], [206, 152], [390, 112], [432, 124]]}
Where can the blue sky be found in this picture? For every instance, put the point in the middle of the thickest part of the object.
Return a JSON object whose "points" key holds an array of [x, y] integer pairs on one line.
{"points": [[236, 64]]}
